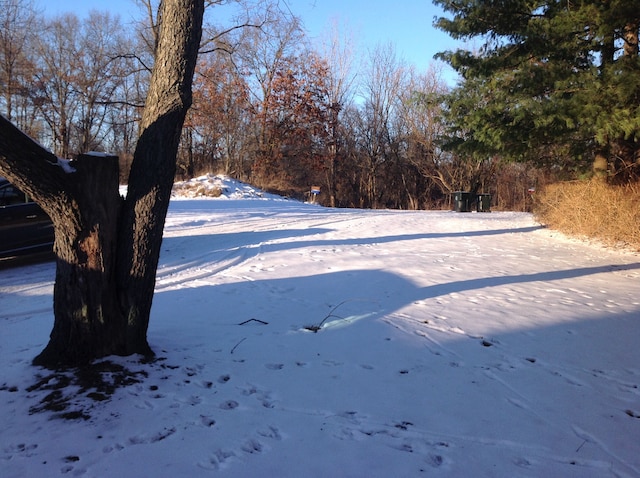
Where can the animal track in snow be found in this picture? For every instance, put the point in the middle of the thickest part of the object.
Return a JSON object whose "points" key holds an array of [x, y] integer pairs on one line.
{"points": [[159, 436], [402, 435], [229, 405], [254, 445], [274, 366], [270, 432], [217, 460], [331, 363], [20, 449], [207, 421], [262, 396]]}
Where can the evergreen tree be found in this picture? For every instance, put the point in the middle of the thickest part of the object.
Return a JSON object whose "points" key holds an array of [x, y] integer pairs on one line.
{"points": [[552, 79]]}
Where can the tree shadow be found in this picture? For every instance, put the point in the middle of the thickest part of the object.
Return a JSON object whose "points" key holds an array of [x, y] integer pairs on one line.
{"points": [[357, 317], [247, 244], [374, 293]]}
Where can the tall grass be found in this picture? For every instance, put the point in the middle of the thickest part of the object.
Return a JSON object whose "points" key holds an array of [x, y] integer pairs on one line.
{"points": [[592, 209]]}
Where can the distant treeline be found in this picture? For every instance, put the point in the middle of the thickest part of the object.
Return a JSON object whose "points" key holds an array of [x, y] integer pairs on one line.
{"points": [[269, 108]]}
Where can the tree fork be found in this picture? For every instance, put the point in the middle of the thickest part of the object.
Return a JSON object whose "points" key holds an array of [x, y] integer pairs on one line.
{"points": [[88, 322], [107, 248]]}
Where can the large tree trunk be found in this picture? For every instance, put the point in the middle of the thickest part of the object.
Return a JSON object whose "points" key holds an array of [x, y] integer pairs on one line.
{"points": [[108, 248], [83, 201], [88, 322], [154, 164]]}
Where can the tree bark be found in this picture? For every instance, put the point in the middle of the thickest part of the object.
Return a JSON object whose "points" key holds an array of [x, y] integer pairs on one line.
{"points": [[88, 322], [107, 249], [154, 164]]}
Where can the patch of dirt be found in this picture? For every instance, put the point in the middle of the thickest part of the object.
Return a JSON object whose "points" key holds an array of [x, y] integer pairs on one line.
{"points": [[68, 390]]}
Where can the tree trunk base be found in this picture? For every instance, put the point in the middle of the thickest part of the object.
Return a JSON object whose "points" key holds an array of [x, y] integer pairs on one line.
{"points": [[53, 358]]}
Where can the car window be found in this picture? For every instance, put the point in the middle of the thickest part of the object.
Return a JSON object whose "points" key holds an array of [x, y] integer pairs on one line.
{"points": [[9, 195]]}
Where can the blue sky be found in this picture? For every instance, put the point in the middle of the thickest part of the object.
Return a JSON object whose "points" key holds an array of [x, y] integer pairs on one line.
{"points": [[408, 24]]}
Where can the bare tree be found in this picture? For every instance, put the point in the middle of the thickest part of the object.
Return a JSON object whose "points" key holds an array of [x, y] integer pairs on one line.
{"points": [[101, 69], [421, 111], [338, 51], [107, 248], [218, 124], [296, 120], [381, 87], [81, 69], [55, 93], [17, 21], [125, 111], [263, 53]]}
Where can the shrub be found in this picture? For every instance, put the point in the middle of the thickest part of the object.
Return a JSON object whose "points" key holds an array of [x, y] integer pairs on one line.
{"points": [[592, 209]]}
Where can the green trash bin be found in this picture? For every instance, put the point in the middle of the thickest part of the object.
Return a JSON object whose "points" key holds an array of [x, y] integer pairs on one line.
{"points": [[462, 201], [483, 202]]}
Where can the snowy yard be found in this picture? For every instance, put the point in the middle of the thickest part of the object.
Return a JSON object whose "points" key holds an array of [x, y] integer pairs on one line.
{"points": [[298, 341]]}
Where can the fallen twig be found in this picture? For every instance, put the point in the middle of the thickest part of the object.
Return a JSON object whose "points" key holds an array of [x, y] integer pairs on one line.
{"points": [[254, 320], [318, 327], [236, 345]]}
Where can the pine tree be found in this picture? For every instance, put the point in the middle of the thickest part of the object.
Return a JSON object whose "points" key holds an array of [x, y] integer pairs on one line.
{"points": [[552, 79]]}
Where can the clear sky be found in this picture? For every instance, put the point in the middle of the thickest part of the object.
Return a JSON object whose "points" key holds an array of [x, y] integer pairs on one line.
{"points": [[408, 24]]}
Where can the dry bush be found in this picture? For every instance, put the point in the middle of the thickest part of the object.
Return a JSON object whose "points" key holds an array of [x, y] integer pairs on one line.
{"points": [[592, 209], [195, 189], [513, 185], [280, 185]]}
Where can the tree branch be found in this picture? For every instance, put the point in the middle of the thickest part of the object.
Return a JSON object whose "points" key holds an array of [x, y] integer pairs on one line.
{"points": [[26, 163]]}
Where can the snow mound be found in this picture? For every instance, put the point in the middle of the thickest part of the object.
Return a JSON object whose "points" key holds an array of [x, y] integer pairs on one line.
{"points": [[218, 186]]}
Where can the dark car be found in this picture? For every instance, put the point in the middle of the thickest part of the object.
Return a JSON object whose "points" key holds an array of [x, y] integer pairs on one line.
{"points": [[24, 227]]}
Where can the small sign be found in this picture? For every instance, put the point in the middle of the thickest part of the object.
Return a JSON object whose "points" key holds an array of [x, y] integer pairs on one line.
{"points": [[315, 190]]}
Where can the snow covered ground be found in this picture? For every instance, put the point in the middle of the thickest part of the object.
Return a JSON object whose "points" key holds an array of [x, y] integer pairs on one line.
{"points": [[300, 341]]}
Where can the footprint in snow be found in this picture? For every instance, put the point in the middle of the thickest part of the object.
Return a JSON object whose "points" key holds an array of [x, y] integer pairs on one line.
{"points": [[22, 449], [271, 432], [207, 421], [192, 400], [229, 405], [252, 446], [436, 461], [331, 363], [69, 468], [145, 439], [275, 366], [218, 460]]}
